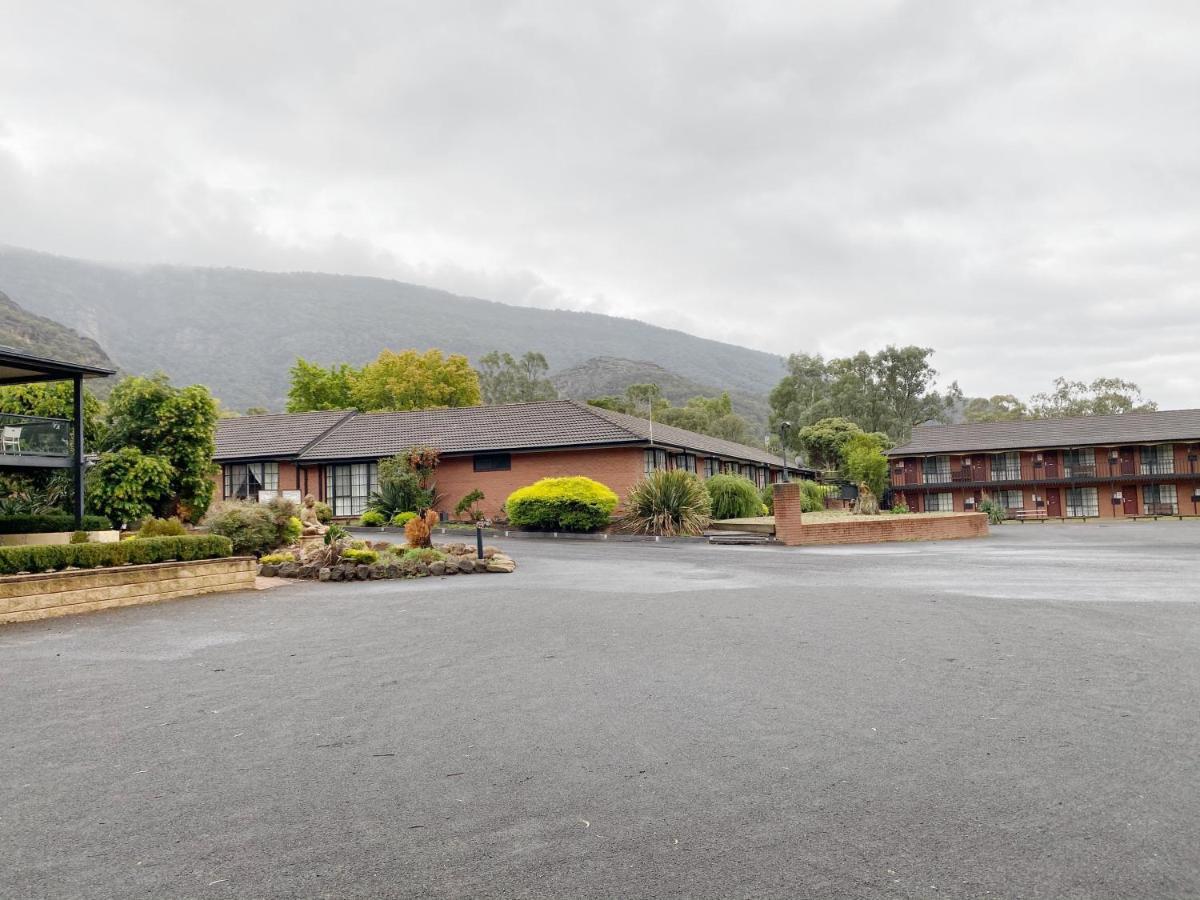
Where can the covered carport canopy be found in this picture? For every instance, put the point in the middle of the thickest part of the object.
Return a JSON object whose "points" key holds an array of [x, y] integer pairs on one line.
{"points": [[19, 367]]}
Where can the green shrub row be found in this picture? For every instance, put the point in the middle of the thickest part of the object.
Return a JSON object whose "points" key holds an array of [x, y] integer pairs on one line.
{"points": [[91, 556], [44, 522]]}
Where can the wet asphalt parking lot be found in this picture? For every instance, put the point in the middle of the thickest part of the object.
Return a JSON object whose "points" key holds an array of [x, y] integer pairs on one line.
{"points": [[1012, 717]]}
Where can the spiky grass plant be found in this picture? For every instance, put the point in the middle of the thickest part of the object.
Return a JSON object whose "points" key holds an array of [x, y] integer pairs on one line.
{"points": [[668, 502]]}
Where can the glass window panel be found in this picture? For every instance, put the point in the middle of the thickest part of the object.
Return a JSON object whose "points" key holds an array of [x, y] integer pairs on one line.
{"points": [[1082, 502], [1006, 466], [936, 469]]}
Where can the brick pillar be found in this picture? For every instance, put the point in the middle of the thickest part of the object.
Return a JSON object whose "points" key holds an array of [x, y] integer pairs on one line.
{"points": [[788, 527]]}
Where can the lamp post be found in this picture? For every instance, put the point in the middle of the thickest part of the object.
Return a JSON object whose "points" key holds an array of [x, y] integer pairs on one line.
{"points": [[784, 428]]}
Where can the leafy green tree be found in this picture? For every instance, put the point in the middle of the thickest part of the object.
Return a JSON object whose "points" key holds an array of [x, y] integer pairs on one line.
{"points": [[866, 464], [712, 416], [411, 380], [705, 415], [127, 485], [889, 391], [997, 408], [314, 387], [822, 442], [803, 396], [1102, 397], [503, 379], [55, 400], [177, 424]]}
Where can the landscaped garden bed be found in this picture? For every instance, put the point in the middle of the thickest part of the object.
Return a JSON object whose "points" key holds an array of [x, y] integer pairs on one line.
{"points": [[381, 560]]}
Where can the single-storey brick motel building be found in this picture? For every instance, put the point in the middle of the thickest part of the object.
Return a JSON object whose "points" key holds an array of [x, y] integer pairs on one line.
{"points": [[334, 455], [1136, 464]]}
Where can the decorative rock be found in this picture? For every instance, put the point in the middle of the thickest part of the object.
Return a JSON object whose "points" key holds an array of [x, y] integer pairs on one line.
{"points": [[466, 565], [451, 567], [422, 569], [325, 574], [362, 572], [480, 565], [307, 572], [392, 571], [437, 567], [500, 563], [268, 571], [337, 573], [489, 552], [288, 570]]}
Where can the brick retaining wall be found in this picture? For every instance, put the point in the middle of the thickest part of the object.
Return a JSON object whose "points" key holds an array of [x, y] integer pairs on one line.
{"points": [[791, 529], [25, 598]]}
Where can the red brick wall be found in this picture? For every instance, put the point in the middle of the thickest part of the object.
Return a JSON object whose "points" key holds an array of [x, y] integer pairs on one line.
{"points": [[877, 529], [620, 468]]}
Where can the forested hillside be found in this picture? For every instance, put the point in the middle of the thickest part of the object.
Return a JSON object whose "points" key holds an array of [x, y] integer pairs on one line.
{"points": [[239, 331]]}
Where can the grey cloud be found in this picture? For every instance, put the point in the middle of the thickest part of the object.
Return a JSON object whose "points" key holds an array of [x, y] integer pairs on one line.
{"points": [[1014, 184]]}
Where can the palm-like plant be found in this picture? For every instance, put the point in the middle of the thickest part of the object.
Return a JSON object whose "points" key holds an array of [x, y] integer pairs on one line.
{"points": [[401, 493], [668, 502]]}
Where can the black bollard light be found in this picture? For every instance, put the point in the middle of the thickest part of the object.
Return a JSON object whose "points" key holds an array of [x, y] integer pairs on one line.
{"points": [[479, 538]]}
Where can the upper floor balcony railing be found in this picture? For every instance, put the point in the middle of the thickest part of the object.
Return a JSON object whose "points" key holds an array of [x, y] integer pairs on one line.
{"points": [[1079, 470], [33, 436], [1158, 467]]}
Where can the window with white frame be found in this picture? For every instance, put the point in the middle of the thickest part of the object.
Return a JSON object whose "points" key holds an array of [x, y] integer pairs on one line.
{"points": [[712, 466], [1006, 466], [349, 485], [1158, 460], [939, 502], [1009, 499], [936, 469], [243, 481], [1160, 499], [685, 461], [1082, 502], [655, 459]]}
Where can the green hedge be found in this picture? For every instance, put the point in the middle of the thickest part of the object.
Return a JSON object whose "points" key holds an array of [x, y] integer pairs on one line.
{"points": [[562, 504], [39, 524], [90, 556]]}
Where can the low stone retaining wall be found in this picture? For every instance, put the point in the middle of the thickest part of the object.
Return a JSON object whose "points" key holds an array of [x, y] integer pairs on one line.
{"points": [[25, 598], [49, 538], [792, 530]]}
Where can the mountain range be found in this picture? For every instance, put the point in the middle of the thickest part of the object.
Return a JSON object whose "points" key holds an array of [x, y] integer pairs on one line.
{"points": [[239, 330]]}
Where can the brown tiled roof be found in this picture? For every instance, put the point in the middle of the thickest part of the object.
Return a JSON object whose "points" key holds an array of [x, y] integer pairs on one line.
{"points": [[689, 440], [1031, 434], [553, 423], [473, 429], [274, 436]]}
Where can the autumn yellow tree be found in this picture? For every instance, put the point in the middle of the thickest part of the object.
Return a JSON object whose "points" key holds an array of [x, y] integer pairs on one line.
{"points": [[411, 380]]}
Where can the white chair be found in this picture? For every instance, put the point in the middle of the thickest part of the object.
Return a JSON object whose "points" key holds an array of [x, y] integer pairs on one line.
{"points": [[10, 439]]}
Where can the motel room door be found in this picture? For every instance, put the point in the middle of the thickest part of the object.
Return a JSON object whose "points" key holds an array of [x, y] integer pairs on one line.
{"points": [[1125, 458], [1053, 507], [1050, 465], [1129, 500]]}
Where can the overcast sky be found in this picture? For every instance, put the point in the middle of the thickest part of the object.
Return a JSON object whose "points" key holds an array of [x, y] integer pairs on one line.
{"points": [[1014, 184]]}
